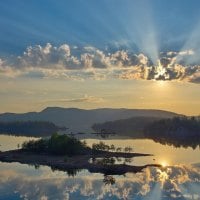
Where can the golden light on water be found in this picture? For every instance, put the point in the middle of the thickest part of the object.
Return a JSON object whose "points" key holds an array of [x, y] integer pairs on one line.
{"points": [[164, 163], [162, 83]]}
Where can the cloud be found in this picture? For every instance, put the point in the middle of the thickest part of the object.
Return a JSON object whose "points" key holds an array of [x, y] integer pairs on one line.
{"points": [[7, 70], [85, 98], [79, 63], [47, 57]]}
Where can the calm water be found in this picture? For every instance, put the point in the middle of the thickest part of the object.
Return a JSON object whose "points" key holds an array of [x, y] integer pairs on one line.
{"points": [[180, 180]]}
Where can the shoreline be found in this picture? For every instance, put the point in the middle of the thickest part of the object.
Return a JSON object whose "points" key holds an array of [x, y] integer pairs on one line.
{"points": [[78, 162]]}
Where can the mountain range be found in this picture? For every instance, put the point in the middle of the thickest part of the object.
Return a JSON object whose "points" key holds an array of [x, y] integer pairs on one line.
{"points": [[80, 120]]}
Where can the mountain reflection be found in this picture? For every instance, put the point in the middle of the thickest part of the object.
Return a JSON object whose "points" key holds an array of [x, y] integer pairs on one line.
{"points": [[176, 182]]}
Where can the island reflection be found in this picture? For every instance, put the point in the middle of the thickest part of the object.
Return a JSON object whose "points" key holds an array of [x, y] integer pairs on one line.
{"points": [[174, 182]]}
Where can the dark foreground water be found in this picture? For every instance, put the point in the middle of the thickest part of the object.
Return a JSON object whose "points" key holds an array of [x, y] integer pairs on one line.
{"points": [[180, 179]]}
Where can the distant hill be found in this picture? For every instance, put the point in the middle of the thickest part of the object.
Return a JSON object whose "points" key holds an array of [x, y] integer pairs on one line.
{"points": [[82, 120], [133, 127], [29, 128]]}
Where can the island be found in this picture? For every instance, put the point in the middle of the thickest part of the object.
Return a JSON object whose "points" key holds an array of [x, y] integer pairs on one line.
{"points": [[66, 153]]}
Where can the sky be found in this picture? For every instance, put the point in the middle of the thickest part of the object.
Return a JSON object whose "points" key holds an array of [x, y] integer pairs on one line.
{"points": [[93, 54]]}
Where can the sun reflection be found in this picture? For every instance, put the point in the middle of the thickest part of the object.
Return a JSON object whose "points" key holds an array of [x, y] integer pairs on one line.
{"points": [[164, 163], [161, 83]]}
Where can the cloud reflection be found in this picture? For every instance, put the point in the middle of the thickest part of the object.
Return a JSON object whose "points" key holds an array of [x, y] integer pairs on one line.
{"points": [[176, 182]]}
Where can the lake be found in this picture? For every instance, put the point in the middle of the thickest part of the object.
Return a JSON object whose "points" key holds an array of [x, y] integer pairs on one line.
{"points": [[179, 179]]}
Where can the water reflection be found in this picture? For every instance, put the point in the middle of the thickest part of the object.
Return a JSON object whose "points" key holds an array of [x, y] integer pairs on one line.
{"points": [[111, 161], [161, 152], [109, 180], [8, 142], [179, 181], [104, 135], [176, 182], [36, 166], [193, 142], [70, 172], [185, 142]]}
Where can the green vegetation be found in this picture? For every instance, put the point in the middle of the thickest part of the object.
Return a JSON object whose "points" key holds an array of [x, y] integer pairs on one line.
{"points": [[68, 146], [128, 149], [57, 145], [101, 146], [29, 128], [178, 131]]}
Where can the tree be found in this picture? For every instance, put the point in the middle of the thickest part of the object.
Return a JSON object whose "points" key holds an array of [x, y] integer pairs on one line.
{"points": [[112, 147], [128, 149], [57, 144], [100, 146], [118, 149]]}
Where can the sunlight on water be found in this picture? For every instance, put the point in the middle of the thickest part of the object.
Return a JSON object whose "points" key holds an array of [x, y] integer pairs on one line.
{"points": [[164, 163], [162, 153], [172, 181]]}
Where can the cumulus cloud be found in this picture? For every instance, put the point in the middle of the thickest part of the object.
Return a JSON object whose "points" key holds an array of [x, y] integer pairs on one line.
{"points": [[92, 63], [47, 57]]}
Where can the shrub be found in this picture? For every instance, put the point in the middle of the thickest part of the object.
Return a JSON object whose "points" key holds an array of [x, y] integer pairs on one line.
{"points": [[56, 144]]}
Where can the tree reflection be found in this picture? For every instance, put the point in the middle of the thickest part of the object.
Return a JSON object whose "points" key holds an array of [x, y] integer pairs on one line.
{"points": [[180, 142], [70, 172], [109, 180], [36, 166], [178, 132]]}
